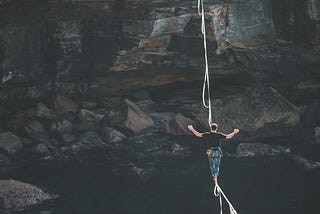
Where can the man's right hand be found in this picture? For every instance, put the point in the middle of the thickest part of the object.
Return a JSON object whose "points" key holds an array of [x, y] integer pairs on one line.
{"points": [[190, 127], [235, 131]]}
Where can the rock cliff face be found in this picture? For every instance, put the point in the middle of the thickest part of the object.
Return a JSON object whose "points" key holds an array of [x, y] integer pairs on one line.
{"points": [[109, 47], [97, 49]]}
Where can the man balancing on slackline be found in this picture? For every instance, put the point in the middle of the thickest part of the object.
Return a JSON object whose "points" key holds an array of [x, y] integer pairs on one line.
{"points": [[214, 151]]}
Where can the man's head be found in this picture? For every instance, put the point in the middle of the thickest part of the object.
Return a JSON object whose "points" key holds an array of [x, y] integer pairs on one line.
{"points": [[214, 127]]}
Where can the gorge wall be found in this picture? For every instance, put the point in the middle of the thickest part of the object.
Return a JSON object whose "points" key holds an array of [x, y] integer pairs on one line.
{"points": [[88, 49]]}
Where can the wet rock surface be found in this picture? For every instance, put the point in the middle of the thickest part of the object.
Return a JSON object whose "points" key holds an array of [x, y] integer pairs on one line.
{"points": [[16, 195], [253, 149], [304, 163]]}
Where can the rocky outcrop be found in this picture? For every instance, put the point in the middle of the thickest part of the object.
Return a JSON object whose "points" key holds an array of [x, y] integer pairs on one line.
{"points": [[10, 143], [253, 149], [249, 111], [16, 195], [80, 48]]}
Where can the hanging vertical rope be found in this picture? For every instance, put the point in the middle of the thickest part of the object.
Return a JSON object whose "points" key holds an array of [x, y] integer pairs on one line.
{"points": [[206, 88], [206, 81]]}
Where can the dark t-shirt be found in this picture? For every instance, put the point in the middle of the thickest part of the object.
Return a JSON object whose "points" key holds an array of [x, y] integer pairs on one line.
{"points": [[213, 138]]}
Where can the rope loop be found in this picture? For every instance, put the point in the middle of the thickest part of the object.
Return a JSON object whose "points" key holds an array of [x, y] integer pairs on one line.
{"points": [[206, 79], [217, 191]]}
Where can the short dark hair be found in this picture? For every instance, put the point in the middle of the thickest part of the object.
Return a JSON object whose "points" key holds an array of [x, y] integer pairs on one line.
{"points": [[214, 126]]}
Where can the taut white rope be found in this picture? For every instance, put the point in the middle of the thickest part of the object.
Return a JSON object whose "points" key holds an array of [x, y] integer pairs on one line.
{"points": [[218, 192]]}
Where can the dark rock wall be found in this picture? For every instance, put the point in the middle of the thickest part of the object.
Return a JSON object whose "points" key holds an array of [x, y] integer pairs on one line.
{"points": [[103, 48]]}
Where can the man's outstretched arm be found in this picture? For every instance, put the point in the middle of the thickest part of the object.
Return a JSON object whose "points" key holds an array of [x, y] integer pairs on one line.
{"points": [[229, 136], [196, 133]]}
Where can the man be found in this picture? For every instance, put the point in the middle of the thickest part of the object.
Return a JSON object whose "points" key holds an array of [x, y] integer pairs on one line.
{"points": [[214, 151]]}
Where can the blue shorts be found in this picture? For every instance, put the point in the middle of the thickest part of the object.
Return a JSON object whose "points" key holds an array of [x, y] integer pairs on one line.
{"points": [[214, 161]]}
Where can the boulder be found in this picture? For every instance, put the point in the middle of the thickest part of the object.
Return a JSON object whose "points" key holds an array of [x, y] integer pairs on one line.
{"points": [[90, 139], [143, 174], [40, 149], [162, 119], [249, 111], [253, 149], [304, 163], [10, 143], [128, 118], [317, 134], [36, 129], [111, 135], [63, 104], [68, 138], [61, 127], [16, 195], [179, 125], [88, 121], [88, 105], [86, 115], [44, 112], [177, 149]]}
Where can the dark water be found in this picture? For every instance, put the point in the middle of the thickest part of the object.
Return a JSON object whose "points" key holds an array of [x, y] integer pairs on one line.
{"points": [[254, 186]]}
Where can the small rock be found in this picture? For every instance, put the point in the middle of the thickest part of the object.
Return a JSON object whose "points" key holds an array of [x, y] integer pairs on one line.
{"points": [[44, 112], [305, 163], [90, 139], [253, 149], [177, 149], [143, 174], [86, 115], [64, 149], [179, 125], [27, 141], [41, 149], [61, 127], [10, 143], [63, 104], [18, 195], [75, 148], [317, 134], [35, 129], [111, 135], [88, 105], [68, 138]]}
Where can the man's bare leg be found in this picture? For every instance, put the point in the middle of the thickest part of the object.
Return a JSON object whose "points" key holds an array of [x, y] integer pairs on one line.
{"points": [[215, 178]]}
